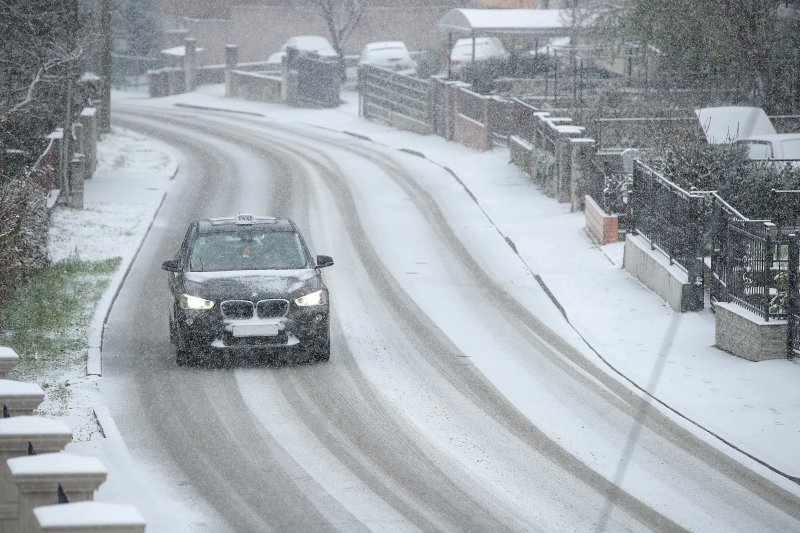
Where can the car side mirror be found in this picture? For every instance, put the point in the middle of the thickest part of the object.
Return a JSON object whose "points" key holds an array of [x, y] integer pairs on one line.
{"points": [[324, 261], [170, 266]]}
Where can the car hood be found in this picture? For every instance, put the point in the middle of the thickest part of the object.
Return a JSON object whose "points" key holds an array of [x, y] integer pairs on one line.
{"points": [[251, 284], [725, 124]]}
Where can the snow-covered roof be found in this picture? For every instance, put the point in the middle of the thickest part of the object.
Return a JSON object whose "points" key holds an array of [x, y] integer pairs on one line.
{"points": [[533, 21]]}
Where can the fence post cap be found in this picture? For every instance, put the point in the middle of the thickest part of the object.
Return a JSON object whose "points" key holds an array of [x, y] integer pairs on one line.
{"points": [[10, 388], [56, 465], [94, 515], [33, 425], [8, 359]]}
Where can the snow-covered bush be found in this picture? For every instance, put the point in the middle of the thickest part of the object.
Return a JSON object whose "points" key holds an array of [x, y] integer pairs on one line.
{"points": [[24, 222], [745, 184], [543, 164]]}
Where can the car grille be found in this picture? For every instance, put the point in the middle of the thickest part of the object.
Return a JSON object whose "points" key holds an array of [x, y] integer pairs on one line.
{"points": [[237, 309], [272, 308]]}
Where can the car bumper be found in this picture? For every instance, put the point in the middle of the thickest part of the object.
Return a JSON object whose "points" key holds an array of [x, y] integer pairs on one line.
{"points": [[203, 330]]}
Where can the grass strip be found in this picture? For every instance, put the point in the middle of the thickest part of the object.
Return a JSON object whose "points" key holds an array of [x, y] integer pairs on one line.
{"points": [[46, 323]]}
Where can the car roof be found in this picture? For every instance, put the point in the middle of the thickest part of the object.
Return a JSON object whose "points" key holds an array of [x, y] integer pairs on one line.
{"points": [[244, 222], [726, 123], [379, 45], [309, 42]]}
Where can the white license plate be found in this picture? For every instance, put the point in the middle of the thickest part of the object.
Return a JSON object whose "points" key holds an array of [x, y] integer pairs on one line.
{"points": [[255, 330]]}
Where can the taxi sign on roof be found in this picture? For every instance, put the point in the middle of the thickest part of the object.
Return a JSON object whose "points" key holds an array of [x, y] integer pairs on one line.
{"points": [[245, 219]]}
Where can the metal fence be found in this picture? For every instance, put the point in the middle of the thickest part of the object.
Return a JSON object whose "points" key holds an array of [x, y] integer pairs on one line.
{"points": [[607, 185], [472, 104], [389, 91], [643, 132], [746, 265], [672, 219], [751, 263], [500, 119], [793, 300]]}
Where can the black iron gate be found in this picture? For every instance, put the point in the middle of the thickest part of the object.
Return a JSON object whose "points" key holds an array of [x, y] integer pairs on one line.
{"points": [[793, 299]]}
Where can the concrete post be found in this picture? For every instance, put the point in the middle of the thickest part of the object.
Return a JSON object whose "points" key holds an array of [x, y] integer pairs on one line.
{"points": [[189, 64], [8, 360], [231, 62], [89, 121], [79, 139], [487, 132], [560, 183], [581, 153], [76, 177], [17, 433], [536, 140], [287, 64], [89, 517], [38, 478], [20, 399]]}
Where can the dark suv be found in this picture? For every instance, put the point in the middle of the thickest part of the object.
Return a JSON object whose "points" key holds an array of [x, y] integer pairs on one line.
{"points": [[245, 283]]}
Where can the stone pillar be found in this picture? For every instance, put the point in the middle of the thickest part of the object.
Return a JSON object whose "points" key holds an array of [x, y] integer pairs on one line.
{"points": [[38, 478], [18, 398], [581, 154], [287, 64], [8, 360], [76, 176], [17, 433], [89, 517], [189, 64], [231, 61]]}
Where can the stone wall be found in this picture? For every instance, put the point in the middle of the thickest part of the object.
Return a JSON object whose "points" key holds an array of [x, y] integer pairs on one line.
{"points": [[652, 268], [747, 335]]}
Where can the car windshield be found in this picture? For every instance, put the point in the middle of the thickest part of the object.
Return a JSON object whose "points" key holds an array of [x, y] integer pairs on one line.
{"points": [[387, 55], [247, 251]]}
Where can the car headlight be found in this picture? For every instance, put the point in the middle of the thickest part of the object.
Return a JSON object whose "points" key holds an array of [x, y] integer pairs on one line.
{"points": [[188, 301], [319, 297]]}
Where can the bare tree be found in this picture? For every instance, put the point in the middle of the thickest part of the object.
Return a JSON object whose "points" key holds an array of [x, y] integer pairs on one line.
{"points": [[341, 17], [41, 49]]}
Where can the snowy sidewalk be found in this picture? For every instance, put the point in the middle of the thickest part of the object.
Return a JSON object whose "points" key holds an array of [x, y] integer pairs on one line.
{"points": [[753, 406]]}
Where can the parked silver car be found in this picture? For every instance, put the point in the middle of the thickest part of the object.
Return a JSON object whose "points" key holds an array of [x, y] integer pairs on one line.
{"points": [[477, 50], [305, 43], [391, 55]]}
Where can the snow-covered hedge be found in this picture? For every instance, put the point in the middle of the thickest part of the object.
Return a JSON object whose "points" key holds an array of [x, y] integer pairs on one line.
{"points": [[543, 164], [24, 222], [745, 184]]}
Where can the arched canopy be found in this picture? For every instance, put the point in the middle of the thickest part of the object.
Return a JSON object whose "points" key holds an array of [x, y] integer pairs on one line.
{"points": [[535, 22]]}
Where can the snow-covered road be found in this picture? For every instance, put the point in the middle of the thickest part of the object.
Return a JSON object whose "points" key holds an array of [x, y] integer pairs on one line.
{"points": [[457, 396]]}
